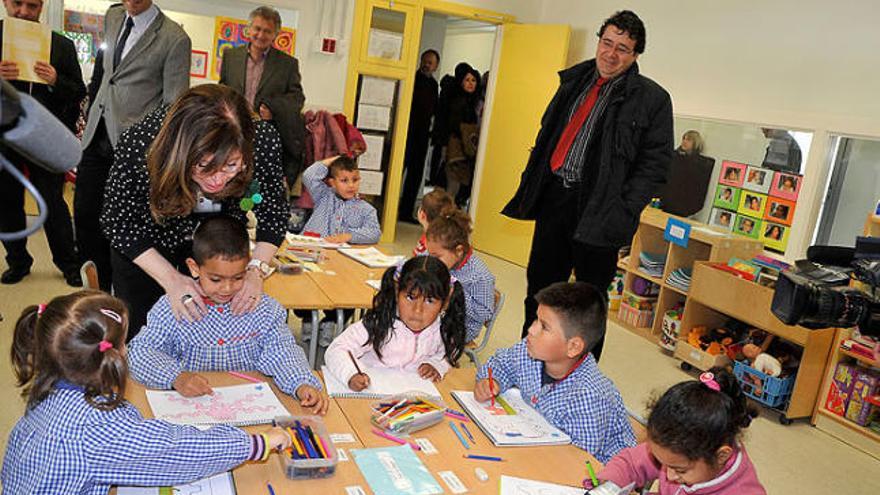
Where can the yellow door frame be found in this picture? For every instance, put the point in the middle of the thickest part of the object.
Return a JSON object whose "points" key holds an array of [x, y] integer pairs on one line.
{"points": [[404, 71]]}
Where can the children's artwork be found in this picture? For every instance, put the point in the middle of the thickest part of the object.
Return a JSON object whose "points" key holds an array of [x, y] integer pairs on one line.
{"points": [[229, 32], [732, 173], [747, 226], [395, 471], [758, 179], [786, 186], [372, 257], [384, 382], [198, 64], [722, 218], [83, 44], [510, 421], [520, 486], [752, 204], [237, 405], [312, 241], [779, 210], [371, 183], [81, 22], [775, 236], [220, 484], [727, 197]]}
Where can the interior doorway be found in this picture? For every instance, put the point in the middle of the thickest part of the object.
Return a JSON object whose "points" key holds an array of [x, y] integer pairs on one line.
{"points": [[447, 110]]}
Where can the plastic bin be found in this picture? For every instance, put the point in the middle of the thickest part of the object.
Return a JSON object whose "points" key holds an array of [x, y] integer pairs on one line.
{"points": [[297, 469], [407, 413], [768, 390]]}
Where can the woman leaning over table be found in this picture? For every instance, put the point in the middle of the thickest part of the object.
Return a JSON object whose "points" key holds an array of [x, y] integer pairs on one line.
{"points": [[204, 155]]}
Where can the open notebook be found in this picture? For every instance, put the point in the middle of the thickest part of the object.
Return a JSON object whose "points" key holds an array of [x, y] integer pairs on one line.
{"points": [[220, 484], [371, 257], [236, 405], [384, 382], [511, 422]]}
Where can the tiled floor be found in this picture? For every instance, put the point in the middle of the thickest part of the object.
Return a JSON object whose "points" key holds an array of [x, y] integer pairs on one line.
{"points": [[795, 459]]}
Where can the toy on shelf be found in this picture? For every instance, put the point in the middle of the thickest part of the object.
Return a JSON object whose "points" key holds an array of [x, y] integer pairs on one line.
{"points": [[671, 327]]}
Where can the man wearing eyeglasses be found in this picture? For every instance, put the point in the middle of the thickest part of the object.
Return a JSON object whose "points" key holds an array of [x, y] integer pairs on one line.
{"points": [[602, 152]]}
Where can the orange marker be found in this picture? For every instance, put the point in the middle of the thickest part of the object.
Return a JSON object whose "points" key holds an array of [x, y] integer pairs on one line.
{"points": [[491, 388]]}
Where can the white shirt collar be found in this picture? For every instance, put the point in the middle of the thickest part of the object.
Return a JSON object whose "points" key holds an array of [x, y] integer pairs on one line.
{"points": [[145, 18]]}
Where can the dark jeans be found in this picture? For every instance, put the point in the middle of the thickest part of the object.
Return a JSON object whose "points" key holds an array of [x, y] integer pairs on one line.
{"points": [[137, 289], [91, 177], [59, 230], [555, 254], [414, 165]]}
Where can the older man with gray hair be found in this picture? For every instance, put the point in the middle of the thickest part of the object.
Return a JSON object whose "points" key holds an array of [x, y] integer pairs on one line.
{"points": [[269, 79]]}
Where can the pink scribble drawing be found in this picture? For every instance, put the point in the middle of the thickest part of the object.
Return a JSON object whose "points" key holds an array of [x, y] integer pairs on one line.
{"points": [[217, 408]]}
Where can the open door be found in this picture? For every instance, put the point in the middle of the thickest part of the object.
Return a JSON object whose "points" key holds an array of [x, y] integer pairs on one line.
{"points": [[525, 80]]}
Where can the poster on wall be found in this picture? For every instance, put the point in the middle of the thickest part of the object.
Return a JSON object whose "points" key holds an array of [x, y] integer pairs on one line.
{"points": [[198, 64], [81, 22], [83, 44], [229, 32]]}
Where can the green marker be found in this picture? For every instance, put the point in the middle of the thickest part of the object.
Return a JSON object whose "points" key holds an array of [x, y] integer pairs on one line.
{"points": [[593, 477]]}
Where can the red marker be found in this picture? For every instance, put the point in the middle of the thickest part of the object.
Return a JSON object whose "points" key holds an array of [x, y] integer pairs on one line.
{"points": [[491, 388]]}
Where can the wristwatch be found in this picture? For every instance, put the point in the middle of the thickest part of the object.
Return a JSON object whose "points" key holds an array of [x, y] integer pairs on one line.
{"points": [[263, 269]]}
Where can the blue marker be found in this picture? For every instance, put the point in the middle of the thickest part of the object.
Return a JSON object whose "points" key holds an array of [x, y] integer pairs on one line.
{"points": [[458, 434]]}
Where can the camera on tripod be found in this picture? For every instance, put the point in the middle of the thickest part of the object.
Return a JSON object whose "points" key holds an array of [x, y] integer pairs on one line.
{"points": [[816, 292]]}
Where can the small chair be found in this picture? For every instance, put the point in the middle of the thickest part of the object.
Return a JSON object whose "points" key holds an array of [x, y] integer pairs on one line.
{"points": [[639, 425], [472, 348], [89, 274]]}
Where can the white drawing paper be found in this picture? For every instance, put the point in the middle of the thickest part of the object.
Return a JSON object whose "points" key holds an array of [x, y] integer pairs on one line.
{"points": [[220, 484], [519, 486], [371, 183], [372, 158], [525, 427], [377, 91], [373, 117], [240, 405]]}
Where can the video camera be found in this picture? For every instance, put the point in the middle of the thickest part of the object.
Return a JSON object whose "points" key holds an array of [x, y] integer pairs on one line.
{"points": [[816, 293]]}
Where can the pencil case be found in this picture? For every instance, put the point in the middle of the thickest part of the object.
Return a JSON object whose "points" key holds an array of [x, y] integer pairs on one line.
{"points": [[407, 413], [313, 454]]}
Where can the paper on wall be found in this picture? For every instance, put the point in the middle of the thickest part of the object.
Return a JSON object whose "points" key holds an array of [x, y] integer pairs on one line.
{"points": [[373, 117], [377, 91], [372, 158], [371, 183], [385, 44]]}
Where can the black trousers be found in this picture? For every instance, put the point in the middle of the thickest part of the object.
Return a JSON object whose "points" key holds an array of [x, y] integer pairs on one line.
{"points": [[137, 289], [91, 177], [555, 254], [58, 227], [414, 165]]}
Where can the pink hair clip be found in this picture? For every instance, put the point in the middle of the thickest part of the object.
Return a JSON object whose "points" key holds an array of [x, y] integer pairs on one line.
{"points": [[113, 315], [104, 345], [40, 309], [708, 379]]}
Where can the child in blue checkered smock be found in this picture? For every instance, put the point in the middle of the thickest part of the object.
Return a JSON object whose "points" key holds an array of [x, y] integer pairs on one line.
{"points": [[168, 353], [448, 238], [78, 434], [555, 372], [339, 214]]}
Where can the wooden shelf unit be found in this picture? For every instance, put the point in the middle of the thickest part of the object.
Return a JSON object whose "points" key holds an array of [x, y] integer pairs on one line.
{"points": [[705, 244], [851, 433], [716, 295]]}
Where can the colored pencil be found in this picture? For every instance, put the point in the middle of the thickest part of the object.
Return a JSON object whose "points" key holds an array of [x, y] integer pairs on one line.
{"points": [[467, 432], [592, 474], [355, 363], [395, 406], [245, 377], [304, 437], [459, 435], [491, 388], [452, 413], [271, 490], [482, 457], [401, 441]]}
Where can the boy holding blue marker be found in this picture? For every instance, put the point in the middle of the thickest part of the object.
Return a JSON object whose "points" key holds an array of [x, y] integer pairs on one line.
{"points": [[557, 375]]}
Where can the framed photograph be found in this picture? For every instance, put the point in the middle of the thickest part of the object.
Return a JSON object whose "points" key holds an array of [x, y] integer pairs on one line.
{"points": [[723, 219], [786, 186], [775, 236], [752, 204], [198, 64], [779, 210], [732, 173], [748, 226], [726, 197], [758, 179]]}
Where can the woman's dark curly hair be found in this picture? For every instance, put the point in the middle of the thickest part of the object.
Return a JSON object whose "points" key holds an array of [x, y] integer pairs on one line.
{"points": [[422, 276], [693, 420]]}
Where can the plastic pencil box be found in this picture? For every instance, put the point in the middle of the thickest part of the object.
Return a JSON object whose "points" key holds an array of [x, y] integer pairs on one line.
{"points": [[407, 412], [313, 454]]}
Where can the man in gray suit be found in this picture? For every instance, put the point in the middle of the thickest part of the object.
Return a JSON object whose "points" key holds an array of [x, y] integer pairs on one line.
{"points": [[269, 79], [145, 65]]}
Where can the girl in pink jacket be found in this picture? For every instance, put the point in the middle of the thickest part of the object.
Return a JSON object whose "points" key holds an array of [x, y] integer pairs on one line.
{"points": [[693, 445], [416, 324]]}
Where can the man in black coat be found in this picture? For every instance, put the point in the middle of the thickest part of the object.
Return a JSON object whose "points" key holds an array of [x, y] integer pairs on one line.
{"points": [[61, 93], [424, 100], [601, 154]]}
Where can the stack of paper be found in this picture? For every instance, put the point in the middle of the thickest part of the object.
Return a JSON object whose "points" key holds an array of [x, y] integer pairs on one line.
{"points": [[652, 263], [312, 242], [680, 278], [371, 257]]}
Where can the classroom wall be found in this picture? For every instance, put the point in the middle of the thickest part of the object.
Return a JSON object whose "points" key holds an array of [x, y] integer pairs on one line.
{"points": [[787, 63], [473, 47]]}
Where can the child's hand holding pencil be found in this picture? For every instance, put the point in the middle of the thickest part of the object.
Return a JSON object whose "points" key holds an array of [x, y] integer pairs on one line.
{"points": [[359, 380], [486, 389]]}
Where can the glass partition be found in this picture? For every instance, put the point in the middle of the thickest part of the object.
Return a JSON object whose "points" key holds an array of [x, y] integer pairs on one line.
{"points": [[740, 177]]}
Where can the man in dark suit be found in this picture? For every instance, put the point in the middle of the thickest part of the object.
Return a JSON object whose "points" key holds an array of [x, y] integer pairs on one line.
{"points": [[424, 100], [61, 92], [269, 79], [145, 65]]}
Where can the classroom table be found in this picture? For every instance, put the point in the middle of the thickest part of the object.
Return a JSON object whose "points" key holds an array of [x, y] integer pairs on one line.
{"points": [[562, 464], [250, 477]]}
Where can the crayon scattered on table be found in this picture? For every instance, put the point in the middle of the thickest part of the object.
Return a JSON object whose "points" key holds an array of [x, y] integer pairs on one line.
{"points": [[482, 457], [459, 435]]}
